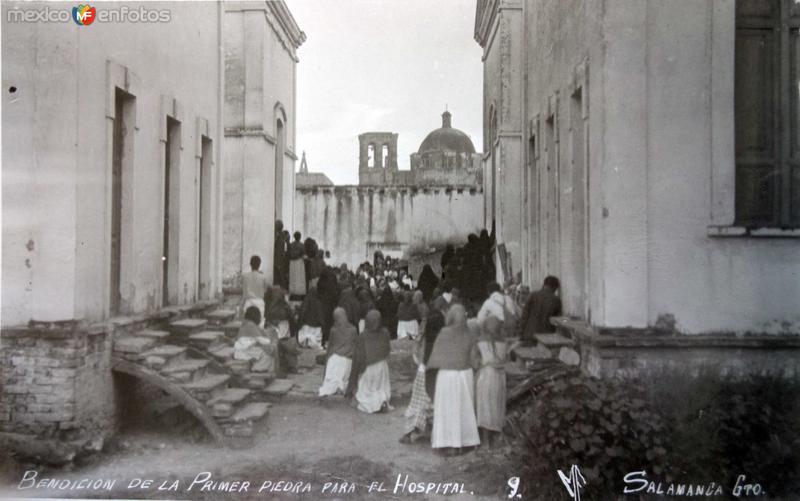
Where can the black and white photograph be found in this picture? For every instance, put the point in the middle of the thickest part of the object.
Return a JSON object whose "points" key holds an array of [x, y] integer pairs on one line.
{"points": [[400, 249]]}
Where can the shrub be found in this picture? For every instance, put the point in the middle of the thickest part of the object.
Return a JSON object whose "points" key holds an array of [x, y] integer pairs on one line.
{"points": [[605, 427], [677, 428]]}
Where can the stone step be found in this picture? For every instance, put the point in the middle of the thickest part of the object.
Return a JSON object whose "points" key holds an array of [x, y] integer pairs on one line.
{"points": [[240, 367], [554, 340], [133, 344], [231, 328], [238, 430], [155, 362], [222, 352], [194, 367], [531, 354], [279, 387], [256, 381], [231, 396], [205, 338], [181, 377], [251, 412], [187, 326], [220, 316], [152, 333], [167, 351], [207, 387], [222, 410]]}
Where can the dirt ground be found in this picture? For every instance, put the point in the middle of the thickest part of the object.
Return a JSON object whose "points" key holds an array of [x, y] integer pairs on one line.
{"points": [[324, 443]]}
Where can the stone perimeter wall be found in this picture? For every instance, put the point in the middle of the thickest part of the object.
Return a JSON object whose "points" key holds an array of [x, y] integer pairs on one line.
{"points": [[353, 221], [57, 390]]}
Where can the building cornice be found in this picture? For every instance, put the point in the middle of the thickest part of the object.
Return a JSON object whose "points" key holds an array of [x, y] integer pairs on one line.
{"points": [[486, 19], [287, 22], [280, 20], [485, 15]]}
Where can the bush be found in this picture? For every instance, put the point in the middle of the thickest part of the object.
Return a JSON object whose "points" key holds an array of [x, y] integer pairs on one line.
{"points": [[606, 428], [677, 428], [723, 428]]}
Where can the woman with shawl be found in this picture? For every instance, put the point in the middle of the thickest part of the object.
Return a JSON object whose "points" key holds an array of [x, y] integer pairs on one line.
{"points": [[316, 265], [341, 347], [454, 424], [371, 367], [328, 291], [278, 313], [407, 318], [417, 299], [490, 354], [280, 317], [310, 334], [254, 344], [297, 267], [495, 304], [366, 304], [349, 302], [387, 306], [427, 282], [420, 407]]}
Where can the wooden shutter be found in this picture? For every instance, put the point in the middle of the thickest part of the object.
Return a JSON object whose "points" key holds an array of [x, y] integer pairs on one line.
{"points": [[766, 113], [757, 151]]}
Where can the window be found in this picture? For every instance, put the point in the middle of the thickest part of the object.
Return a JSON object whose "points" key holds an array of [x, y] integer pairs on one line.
{"points": [[766, 113], [371, 155]]}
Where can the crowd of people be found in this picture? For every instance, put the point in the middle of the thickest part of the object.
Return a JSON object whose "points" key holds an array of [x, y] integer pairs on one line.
{"points": [[459, 323]]}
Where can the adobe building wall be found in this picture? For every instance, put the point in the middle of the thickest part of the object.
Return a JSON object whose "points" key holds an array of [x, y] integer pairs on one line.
{"points": [[354, 221]]}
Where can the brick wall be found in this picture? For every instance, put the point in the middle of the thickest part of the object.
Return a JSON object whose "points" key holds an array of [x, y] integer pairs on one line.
{"points": [[58, 392]]}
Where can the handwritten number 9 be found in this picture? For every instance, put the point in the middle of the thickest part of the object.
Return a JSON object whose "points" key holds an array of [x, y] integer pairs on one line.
{"points": [[513, 484]]}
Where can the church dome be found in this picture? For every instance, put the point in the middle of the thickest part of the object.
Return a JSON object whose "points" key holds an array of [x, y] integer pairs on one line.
{"points": [[447, 138]]}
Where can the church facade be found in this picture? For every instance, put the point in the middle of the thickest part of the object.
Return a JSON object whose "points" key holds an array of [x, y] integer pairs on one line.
{"points": [[261, 42], [391, 209]]}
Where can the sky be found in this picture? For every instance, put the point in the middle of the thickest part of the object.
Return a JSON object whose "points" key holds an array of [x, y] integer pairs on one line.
{"points": [[383, 65]]}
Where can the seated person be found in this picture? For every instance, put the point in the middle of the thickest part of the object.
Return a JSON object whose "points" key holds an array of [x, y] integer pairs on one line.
{"points": [[255, 344]]}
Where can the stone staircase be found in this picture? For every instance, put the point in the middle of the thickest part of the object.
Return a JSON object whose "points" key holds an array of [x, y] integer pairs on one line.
{"points": [[548, 347], [188, 353]]}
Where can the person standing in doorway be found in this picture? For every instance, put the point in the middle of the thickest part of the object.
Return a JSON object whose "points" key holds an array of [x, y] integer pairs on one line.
{"points": [[280, 259], [297, 267]]}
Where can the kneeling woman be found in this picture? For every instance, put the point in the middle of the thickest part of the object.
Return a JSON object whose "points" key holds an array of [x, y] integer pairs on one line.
{"points": [[254, 344], [341, 346], [371, 367], [454, 424]]}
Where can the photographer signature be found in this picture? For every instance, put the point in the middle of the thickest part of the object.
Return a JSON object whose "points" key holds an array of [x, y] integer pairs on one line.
{"points": [[574, 482]]}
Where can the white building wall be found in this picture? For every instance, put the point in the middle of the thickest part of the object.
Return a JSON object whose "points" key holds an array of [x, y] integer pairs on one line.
{"points": [[657, 80], [503, 98], [56, 155], [260, 89]]}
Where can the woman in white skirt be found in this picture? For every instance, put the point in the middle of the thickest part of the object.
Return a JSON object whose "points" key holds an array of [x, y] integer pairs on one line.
{"points": [[407, 318], [490, 354], [371, 367], [341, 346], [454, 423]]}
